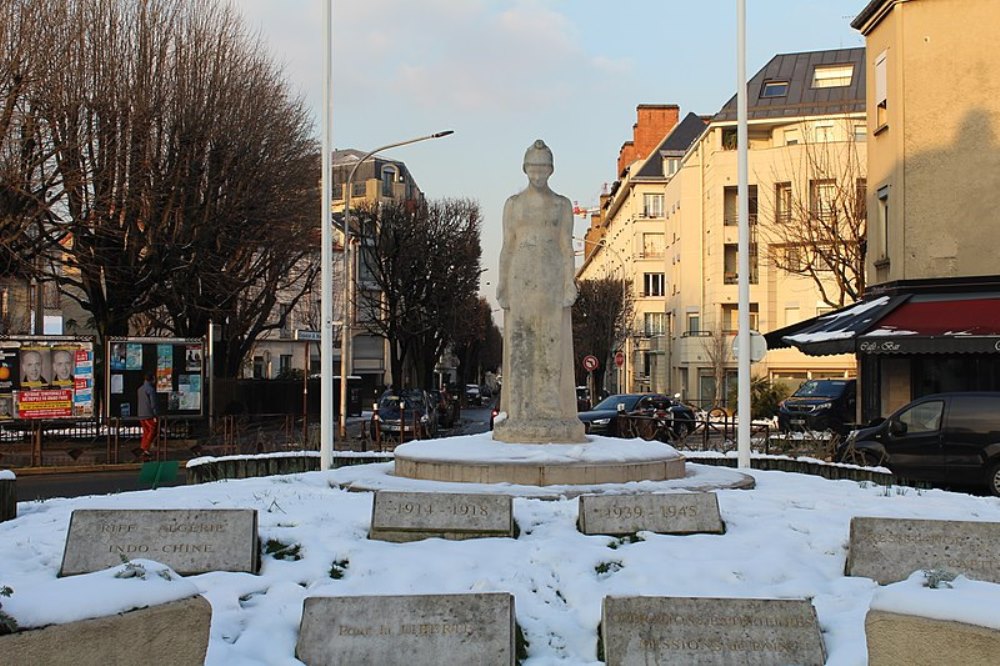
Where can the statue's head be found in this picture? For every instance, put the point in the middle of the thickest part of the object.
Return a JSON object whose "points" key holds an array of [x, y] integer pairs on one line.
{"points": [[538, 163]]}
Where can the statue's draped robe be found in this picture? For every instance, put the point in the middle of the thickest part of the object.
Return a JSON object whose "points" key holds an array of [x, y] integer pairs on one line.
{"points": [[538, 393]]}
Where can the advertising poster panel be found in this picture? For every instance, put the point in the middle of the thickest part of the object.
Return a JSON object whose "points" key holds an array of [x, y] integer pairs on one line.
{"points": [[46, 377], [176, 366]]}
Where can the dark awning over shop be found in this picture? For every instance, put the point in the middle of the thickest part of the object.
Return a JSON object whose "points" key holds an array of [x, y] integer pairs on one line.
{"points": [[835, 332], [902, 323], [938, 324]]}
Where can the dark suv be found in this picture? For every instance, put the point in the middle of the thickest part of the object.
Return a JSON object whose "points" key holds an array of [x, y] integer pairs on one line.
{"points": [[941, 438], [820, 404]]}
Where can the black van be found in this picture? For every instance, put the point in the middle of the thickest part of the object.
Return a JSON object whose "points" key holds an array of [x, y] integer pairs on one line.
{"points": [[820, 404], [942, 438]]}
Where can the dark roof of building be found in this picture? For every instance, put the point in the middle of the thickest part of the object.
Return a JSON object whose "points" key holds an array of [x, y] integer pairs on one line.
{"points": [[869, 11], [800, 98], [675, 143]]}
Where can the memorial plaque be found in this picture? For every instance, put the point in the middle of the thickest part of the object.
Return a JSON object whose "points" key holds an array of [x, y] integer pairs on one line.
{"points": [[189, 541], [418, 630], [682, 630], [888, 550], [666, 513], [398, 516]]}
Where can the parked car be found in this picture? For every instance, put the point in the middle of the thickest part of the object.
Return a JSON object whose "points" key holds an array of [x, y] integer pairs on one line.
{"points": [[473, 396], [946, 438], [820, 404], [603, 418], [446, 409], [409, 412]]}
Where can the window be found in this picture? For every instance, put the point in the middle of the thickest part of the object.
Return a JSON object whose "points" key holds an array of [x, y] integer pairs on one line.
{"points": [[729, 138], [730, 318], [258, 367], [672, 165], [860, 133], [694, 323], [653, 284], [730, 262], [729, 202], [881, 235], [791, 137], [654, 323], [388, 178], [285, 364], [774, 89], [652, 205], [652, 245], [783, 203], [285, 319], [861, 199], [823, 132], [881, 91], [925, 417], [832, 76], [793, 259], [823, 198]]}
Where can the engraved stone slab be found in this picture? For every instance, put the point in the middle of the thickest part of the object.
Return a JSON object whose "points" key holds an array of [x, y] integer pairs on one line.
{"points": [[666, 513], [418, 630], [888, 550], [189, 541], [681, 630], [401, 516], [174, 633]]}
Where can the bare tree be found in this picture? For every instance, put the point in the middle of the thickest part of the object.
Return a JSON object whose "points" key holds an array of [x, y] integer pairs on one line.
{"points": [[814, 222], [717, 349], [422, 262], [602, 318], [169, 162]]}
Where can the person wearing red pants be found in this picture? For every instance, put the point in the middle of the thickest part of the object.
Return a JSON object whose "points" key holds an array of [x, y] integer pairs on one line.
{"points": [[146, 411]]}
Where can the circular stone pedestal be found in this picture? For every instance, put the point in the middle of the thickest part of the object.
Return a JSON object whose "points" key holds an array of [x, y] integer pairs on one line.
{"points": [[480, 459]]}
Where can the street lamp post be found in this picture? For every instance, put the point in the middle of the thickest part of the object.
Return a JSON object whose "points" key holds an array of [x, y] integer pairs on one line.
{"points": [[603, 243], [345, 335]]}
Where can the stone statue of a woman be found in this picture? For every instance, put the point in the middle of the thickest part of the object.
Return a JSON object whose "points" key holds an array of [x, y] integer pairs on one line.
{"points": [[536, 291]]}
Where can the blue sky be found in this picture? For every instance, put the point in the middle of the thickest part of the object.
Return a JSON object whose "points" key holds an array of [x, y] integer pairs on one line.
{"points": [[502, 73]]}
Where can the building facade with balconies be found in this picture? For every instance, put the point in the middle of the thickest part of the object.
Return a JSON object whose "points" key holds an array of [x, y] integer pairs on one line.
{"points": [[806, 153]]}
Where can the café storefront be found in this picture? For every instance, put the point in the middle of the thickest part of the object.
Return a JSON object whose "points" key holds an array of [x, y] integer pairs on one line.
{"points": [[911, 339]]}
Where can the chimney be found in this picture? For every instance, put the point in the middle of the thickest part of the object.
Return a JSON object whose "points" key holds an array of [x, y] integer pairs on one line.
{"points": [[653, 123]]}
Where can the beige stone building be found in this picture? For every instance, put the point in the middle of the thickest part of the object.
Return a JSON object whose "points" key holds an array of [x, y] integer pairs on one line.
{"points": [[807, 146], [930, 319], [626, 236], [806, 156]]}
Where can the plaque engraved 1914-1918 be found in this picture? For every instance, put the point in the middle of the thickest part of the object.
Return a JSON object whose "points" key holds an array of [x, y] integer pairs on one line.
{"points": [[665, 513], [685, 630], [403, 516], [411, 630], [189, 541]]}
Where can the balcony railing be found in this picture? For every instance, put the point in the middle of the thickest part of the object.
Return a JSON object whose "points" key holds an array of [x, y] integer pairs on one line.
{"points": [[732, 219]]}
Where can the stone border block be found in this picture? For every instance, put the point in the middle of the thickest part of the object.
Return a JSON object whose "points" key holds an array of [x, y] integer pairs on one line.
{"points": [[175, 633]]}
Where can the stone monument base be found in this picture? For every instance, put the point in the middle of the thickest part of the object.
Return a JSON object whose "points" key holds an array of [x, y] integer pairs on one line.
{"points": [[540, 431], [479, 459]]}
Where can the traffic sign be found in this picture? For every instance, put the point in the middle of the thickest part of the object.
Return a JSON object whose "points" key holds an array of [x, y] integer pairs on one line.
{"points": [[758, 347], [590, 363], [619, 359]]}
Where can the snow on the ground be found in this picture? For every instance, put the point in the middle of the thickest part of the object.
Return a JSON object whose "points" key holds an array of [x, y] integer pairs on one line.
{"points": [[787, 538]]}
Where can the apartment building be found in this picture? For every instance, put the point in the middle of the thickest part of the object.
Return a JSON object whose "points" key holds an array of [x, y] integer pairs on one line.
{"points": [[806, 157], [930, 320], [626, 236]]}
